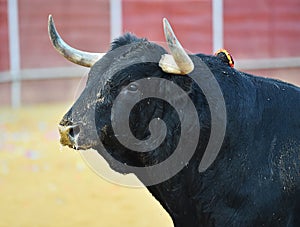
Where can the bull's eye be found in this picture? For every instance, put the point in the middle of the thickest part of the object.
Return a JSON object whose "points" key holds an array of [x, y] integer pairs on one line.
{"points": [[132, 87]]}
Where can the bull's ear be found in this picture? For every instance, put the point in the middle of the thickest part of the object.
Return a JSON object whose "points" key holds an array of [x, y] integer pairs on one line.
{"points": [[178, 62]]}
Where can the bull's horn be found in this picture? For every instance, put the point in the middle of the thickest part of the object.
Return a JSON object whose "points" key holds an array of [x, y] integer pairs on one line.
{"points": [[76, 56], [179, 62]]}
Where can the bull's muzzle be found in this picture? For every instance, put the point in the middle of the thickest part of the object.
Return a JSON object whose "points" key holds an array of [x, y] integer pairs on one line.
{"points": [[69, 135]]}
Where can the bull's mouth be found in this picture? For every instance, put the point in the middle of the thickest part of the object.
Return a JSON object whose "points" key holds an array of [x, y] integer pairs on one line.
{"points": [[69, 136]]}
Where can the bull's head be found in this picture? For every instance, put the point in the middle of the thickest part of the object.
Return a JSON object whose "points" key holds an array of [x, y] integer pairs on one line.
{"points": [[75, 129], [89, 122]]}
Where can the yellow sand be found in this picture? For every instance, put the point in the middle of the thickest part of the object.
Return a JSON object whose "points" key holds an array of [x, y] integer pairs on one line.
{"points": [[41, 185]]}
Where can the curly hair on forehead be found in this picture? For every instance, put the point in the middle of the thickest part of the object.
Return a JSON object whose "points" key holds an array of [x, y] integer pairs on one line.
{"points": [[126, 39]]}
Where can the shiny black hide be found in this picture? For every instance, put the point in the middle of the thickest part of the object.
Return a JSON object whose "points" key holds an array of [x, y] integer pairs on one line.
{"points": [[255, 179]]}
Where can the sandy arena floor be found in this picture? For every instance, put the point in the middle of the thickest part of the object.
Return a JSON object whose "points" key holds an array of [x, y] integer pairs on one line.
{"points": [[41, 185]]}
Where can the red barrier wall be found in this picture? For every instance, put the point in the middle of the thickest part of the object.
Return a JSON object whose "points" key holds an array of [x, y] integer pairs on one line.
{"points": [[82, 24], [4, 55], [191, 21], [252, 29], [262, 28]]}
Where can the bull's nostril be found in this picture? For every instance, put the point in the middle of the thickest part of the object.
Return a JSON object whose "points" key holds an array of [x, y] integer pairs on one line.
{"points": [[69, 135], [74, 131]]}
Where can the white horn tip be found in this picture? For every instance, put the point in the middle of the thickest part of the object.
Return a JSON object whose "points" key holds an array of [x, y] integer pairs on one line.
{"points": [[50, 19], [165, 20]]}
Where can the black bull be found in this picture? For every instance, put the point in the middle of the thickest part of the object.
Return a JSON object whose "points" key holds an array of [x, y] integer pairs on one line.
{"points": [[255, 178]]}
